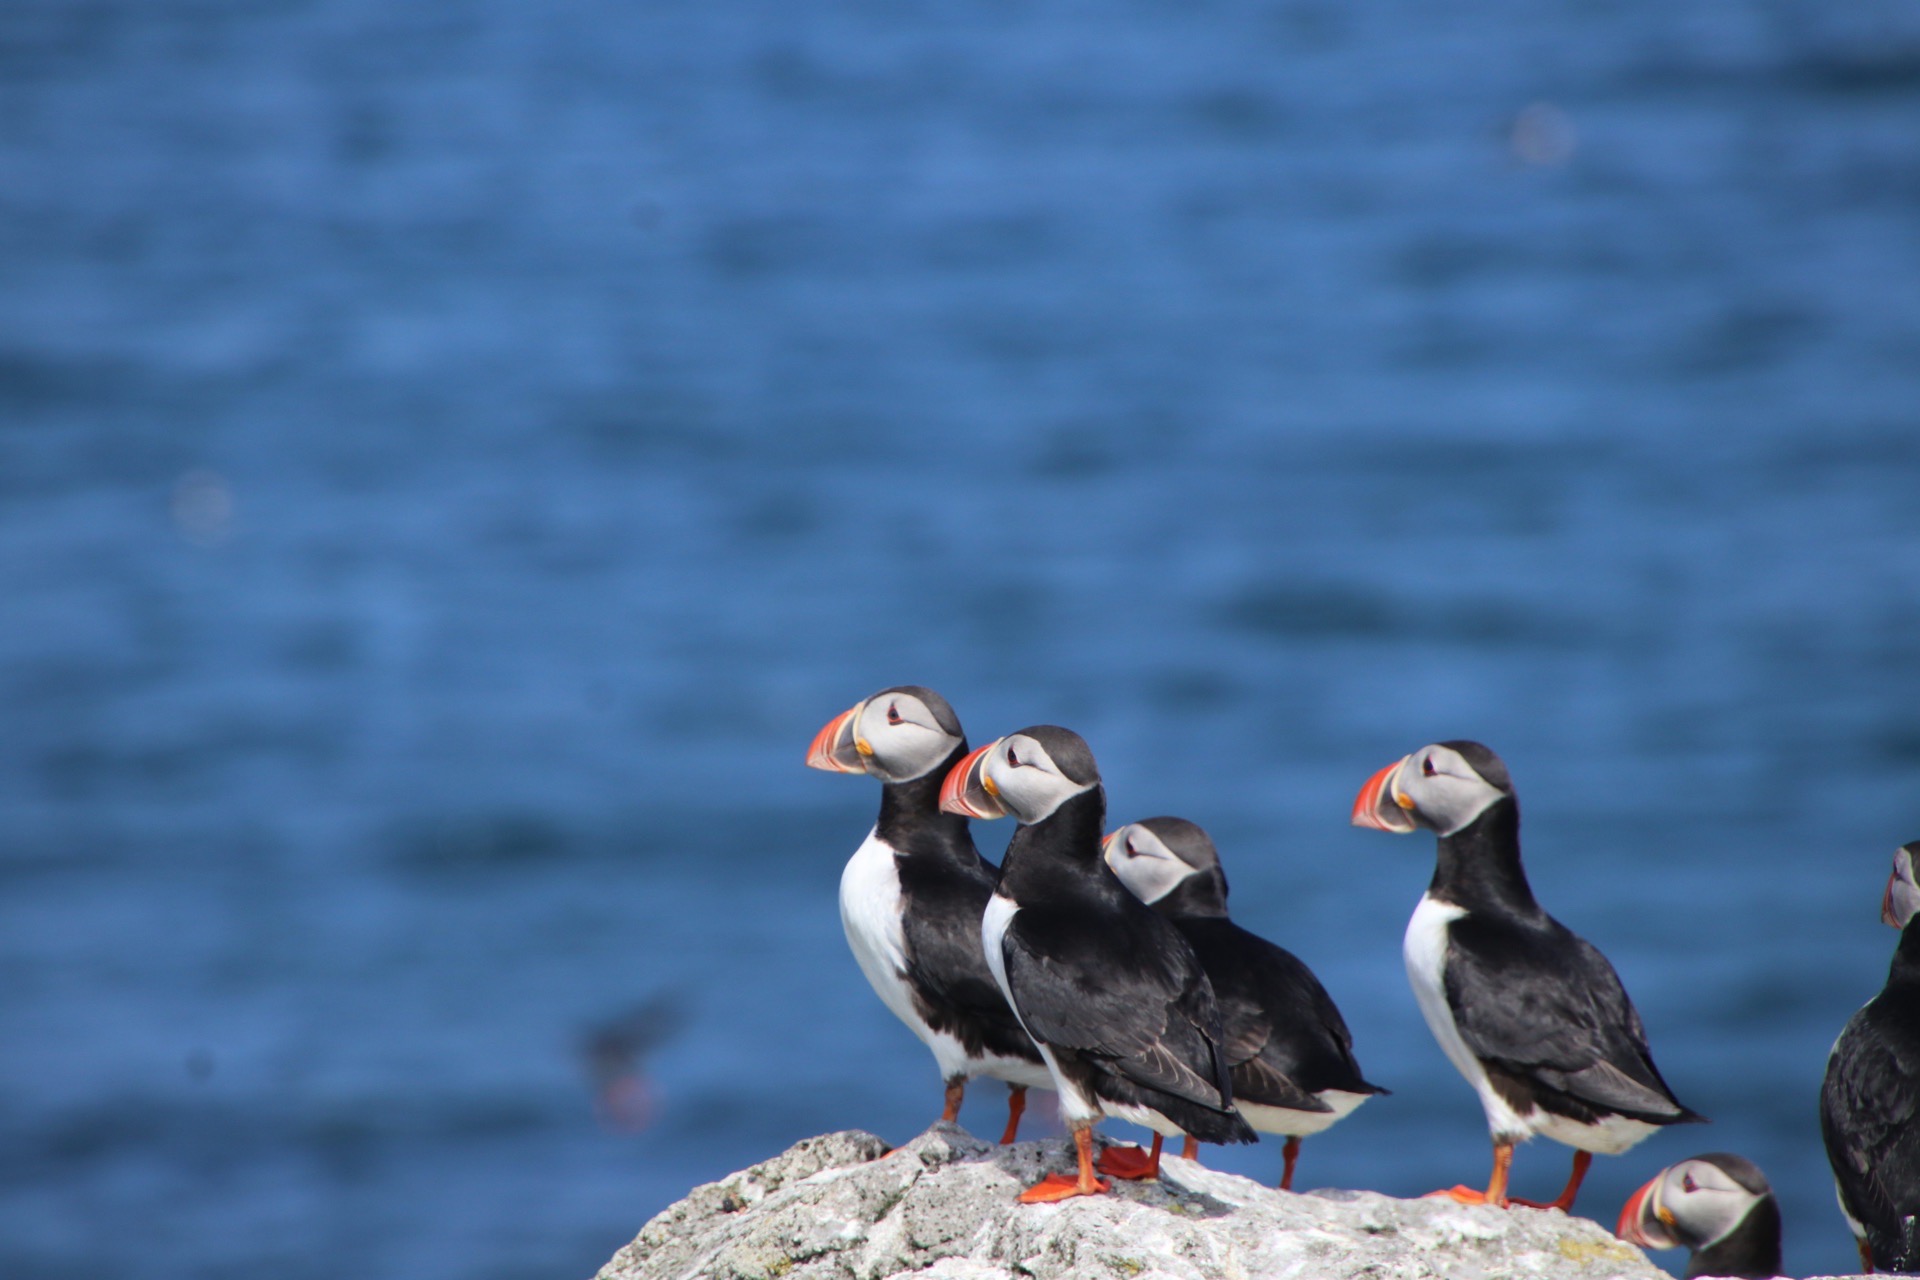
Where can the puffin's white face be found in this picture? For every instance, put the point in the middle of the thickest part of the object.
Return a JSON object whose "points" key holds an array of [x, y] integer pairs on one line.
{"points": [[1693, 1204], [1144, 863], [1013, 775], [1434, 787], [900, 738], [1020, 773], [1903, 891], [893, 736]]}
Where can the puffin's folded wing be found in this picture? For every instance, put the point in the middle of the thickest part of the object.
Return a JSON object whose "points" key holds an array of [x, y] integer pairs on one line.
{"points": [[1546, 1003], [1280, 1029], [1139, 1004], [943, 951], [1257, 1080], [1605, 1085]]}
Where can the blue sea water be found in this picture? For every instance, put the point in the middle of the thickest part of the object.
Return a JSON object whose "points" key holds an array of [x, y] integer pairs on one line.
{"points": [[453, 458]]}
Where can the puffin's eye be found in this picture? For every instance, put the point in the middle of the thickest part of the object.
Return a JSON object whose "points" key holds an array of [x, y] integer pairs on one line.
{"points": [[893, 714], [1012, 759], [1687, 1183], [1426, 767]]}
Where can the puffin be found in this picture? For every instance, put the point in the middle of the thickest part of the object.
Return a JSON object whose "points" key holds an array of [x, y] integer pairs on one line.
{"points": [[1719, 1206], [1870, 1099], [1294, 1072], [1112, 994], [912, 895], [1528, 1011]]}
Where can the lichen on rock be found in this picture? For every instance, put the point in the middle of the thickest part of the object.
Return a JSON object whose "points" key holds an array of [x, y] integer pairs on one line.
{"points": [[841, 1207]]}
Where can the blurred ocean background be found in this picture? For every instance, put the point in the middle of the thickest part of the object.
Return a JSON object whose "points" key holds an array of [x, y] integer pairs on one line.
{"points": [[453, 458]]}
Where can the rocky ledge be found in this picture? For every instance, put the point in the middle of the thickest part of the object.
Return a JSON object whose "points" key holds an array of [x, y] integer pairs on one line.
{"points": [[842, 1207]]}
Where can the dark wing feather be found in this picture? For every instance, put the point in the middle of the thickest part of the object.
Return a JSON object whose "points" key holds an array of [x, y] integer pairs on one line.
{"points": [[1868, 1105], [1282, 1032], [1258, 1080], [944, 959], [1127, 991], [1545, 1005]]}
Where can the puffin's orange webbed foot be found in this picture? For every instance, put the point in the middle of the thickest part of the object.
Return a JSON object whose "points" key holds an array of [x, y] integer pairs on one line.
{"points": [[1130, 1163], [1464, 1195], [1061, 1186]]}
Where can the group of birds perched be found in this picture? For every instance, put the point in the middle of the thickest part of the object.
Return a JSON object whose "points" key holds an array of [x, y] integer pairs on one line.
{"points": [[1106, 967]]}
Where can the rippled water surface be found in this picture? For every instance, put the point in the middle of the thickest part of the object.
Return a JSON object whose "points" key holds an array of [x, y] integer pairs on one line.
{"points": [[452, 459]]}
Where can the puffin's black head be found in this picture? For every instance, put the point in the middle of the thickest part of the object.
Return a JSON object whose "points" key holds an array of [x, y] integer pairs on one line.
{"points": [[897, 735], [1902, 898], [1698, 1203], [1443, 787], [1157, 856], [1028, 774]]}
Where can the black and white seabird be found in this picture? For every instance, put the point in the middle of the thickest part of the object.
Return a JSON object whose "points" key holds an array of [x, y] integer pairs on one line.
{"points": [[1292, 1056], [1719, 1206], [1870, 1100], [913, 893], [1529, 1012], [1117, 1001]]}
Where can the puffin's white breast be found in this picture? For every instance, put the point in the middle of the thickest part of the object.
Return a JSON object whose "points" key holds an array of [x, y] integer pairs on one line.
{"points": [[1425, 951], [1074, 1105], [870, 904]]}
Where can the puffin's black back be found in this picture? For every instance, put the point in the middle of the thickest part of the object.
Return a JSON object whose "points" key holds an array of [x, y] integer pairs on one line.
{"points": [[1868, 1105], [1104, 980], [1280, 1029], [1539, 1005]]}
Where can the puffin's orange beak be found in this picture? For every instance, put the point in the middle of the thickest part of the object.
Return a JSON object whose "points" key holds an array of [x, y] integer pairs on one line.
{"points": [[835, 748], [1378, 807], [1633, 1218], [968, 791]]}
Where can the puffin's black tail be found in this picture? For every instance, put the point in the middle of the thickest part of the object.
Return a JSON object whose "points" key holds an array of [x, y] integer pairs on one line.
{"points": [[1209, 1124]]}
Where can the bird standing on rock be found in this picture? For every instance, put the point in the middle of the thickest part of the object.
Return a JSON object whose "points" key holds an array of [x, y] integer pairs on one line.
{"points": [[1115, 998], [1530, 1013], [1292, 1056], [912, 896], [1870, 1099]]}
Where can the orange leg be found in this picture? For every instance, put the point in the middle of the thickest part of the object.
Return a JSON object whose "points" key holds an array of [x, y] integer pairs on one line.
{"points": [[1291, 1154], [956, 1090], [1866, 1258], [1016, 1107], [1058, 1186], [1581, 1159], [1496, 1192], [1190, 1149], [1128, 1163]]}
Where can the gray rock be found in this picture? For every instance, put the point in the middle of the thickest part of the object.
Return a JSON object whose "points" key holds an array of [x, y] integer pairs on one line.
{"points": [[839, 1207]]}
